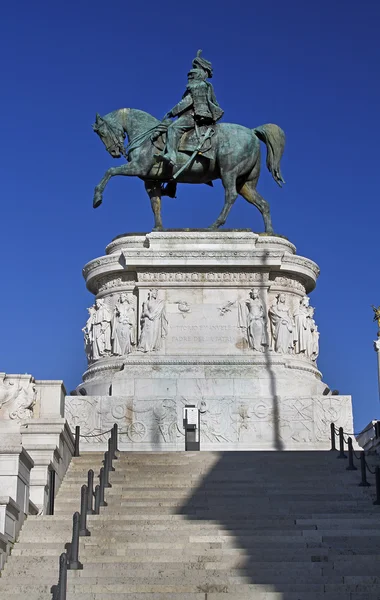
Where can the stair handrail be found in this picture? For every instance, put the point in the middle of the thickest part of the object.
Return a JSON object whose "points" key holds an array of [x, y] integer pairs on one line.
{"points": [[70, 560]]}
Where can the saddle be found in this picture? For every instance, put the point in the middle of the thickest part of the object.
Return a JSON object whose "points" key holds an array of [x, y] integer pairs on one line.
{"points": [[190, 141]]}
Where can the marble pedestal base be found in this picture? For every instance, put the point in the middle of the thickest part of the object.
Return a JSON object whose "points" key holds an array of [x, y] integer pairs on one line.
{"points": [[215, 319]]}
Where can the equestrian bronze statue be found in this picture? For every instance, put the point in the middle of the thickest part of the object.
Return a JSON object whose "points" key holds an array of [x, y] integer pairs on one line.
{"points": [[194, 148]]}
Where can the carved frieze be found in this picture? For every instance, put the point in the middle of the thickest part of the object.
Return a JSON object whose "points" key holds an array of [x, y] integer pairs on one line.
{"points": [[288, 282], [202, 276], [109, 282]]}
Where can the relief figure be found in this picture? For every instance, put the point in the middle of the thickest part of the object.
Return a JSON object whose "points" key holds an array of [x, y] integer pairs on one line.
{"points": [[123, 327], [252, 319], [154, 324], [281, 326], [302, 337], [101, 330]]}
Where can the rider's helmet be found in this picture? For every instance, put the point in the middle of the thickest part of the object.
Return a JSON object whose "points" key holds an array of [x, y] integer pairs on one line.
{"points": [[202, 63]]}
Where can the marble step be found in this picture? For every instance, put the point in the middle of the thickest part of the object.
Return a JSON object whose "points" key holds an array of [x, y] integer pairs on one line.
{"points": [[202, 596]]}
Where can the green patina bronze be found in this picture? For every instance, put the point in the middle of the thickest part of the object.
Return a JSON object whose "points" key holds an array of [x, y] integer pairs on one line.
{"points": [[194, 148]]}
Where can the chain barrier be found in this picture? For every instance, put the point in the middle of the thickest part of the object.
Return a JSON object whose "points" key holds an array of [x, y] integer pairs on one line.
{"points": [[362, 457], [368, 428], [102, 433], [96, 434]]}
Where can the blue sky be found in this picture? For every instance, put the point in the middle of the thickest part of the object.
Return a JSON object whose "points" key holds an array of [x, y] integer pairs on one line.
{"points": [[312, 68]]}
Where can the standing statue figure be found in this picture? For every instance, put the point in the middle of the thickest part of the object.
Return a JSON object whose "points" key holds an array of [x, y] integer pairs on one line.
{"points": [[303, 336], [88, 334], [252, 319], [198, 106], [154, 324], [281, 326], [313, 346], [123, 324], [101, 328]]}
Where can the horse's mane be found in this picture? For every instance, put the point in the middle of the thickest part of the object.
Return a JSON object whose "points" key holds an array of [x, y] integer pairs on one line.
{"points": [[143, 117]]}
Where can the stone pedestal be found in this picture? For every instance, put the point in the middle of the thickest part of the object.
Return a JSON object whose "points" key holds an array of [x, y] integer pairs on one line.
{"points": [[32, 419], [216, 319]]}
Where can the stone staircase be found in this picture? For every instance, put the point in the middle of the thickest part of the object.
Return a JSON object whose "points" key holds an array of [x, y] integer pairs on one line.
{"points": [[198, 526]]}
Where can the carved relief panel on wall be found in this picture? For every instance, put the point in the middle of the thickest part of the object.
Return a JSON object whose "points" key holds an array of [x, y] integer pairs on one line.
{"points": [[111, 327]]}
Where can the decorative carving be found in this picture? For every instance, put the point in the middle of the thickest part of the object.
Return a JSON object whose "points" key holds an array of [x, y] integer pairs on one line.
{"points": [[303, 336], [88, 334], [165, 415], [136, 431], [212, 423], [201, 276], [97, 331], [280, 280], [123, 327], [252, 319], [282, 326], [313, 349], [306, 339], [154, 324], [16, 399], [111, 281], [183, 307], [226, 308]]}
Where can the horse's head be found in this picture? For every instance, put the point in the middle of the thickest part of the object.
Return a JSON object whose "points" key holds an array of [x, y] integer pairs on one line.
{"points": [[111, 132]]}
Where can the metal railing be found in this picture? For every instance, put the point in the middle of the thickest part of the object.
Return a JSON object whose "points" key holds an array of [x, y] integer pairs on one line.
{"points": [[362, 457], [91, 501]]}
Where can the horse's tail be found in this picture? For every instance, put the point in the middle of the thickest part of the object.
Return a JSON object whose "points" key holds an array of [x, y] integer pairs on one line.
{"points": [[274, 139]]}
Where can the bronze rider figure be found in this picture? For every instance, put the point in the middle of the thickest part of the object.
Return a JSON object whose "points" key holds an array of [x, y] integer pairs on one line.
{"points": [[198, 106]]}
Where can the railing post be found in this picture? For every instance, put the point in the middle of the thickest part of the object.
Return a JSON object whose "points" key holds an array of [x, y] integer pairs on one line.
{"points": [[115, 436], [102, 502], [377, 475], [341, 444], [106, 463], [90, 493], [73, 562], [76, 444], [83, 531], [51, 491], [111, 454], [351, 466], [363, 471], [62, 578], [97, 500], [332, 434]]}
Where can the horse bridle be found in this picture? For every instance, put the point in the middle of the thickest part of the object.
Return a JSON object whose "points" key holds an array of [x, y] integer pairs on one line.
{"points": [[114, 137]]}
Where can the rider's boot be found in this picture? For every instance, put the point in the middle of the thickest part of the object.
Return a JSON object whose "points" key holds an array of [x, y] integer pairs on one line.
{"points": [[172, 141]]}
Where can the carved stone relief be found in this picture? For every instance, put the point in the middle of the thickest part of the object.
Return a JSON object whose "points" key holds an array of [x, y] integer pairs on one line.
{"points": [[293, 421], [108, 282], [253, 321], [111, 327], [202, 276], [154, 324], [123, 336], [17, 398], [282, 326]]}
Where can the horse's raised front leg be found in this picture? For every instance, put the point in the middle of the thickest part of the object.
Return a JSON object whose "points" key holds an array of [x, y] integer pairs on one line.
{"points": [[230, 195], [154, 190], [130, 169]]}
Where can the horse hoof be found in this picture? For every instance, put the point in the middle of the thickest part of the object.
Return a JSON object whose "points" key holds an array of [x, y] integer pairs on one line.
{"points": [[97, 200]]}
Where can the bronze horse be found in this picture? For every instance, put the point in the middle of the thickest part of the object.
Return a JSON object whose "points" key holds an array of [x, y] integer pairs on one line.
{"points": [[236, 160]]}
